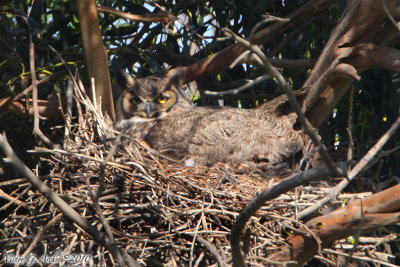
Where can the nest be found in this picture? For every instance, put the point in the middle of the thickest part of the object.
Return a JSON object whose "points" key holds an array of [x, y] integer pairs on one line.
{"points": [[161, 212]]}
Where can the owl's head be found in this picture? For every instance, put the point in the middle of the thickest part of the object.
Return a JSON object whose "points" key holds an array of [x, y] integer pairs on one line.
{"points": [[148, 98]]}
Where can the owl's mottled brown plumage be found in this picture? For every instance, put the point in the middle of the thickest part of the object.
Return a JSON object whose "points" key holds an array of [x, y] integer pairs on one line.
{"points": [[152, 110]]}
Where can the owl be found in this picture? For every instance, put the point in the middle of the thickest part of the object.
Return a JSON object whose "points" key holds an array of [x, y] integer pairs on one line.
{"points": [[159, 112]]}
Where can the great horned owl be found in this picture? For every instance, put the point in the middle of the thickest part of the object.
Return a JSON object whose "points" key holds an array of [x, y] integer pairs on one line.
{"points": [[153, 110]]}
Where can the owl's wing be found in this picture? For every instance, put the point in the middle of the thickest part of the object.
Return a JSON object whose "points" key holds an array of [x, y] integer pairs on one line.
{"points": [[241, 135], [212, 131]]}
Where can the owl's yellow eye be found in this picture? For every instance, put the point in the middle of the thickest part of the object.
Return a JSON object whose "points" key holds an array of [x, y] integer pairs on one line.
{"points": [[135, 100], [162, 99]]}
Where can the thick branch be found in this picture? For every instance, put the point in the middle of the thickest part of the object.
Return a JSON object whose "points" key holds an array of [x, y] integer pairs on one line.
{"points": [[209, 65], [163, 17], [367, 55], [366, 214], [4, 103], [162, 54], [315, 174], [47, 108], [359, 24], [361, 165], [278, 28], [96, 56], [224, 58]]}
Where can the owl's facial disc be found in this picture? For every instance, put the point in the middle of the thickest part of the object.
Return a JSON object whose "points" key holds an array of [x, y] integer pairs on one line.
{"points": [[149, 108]]}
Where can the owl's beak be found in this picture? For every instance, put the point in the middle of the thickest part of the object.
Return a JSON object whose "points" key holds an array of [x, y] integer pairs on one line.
{"points": [[148, 109]]}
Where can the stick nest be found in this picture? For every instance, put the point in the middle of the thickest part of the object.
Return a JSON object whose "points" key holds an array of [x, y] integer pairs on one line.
{"points": [[161, 212]]}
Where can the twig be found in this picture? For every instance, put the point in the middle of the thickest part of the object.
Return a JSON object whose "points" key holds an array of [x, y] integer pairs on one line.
{"points": [[309, 231], [60, 203], [350, 147], [12, 200], [69, 153], [36, 128], [355, 171], [272, 262], [302, 178], [390, 16], [79, 89], [95, 197], [331, 251], [213, 251], [248, 84], [194, 237], [308, 129], [357, 236], [40, 234]]}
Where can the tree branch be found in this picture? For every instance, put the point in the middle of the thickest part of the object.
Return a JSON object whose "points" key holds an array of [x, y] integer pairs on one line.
{"points": [[221, 60], [69, 212], [6, 102], [355, 171], [96, 56], [36, 128], [163, 17], [308, 129], [361, 215], [359, 23], [315, 174]]}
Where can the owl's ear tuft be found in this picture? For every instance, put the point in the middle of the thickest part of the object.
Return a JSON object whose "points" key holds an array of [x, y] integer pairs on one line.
{"points": [[124, 80], [175, 78]]}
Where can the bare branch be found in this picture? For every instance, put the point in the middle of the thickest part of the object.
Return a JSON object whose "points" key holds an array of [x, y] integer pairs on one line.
{"points": [[374, 261], [390, 16], [211, 249], [164, 17], [315, 174], [355, 171], [224, 58], [308, 129], [41, 232], [60, 203], [48, 109], [278, 28], [248, 84], [361, 215], [6, 102], [96, 55], [36, 128]]}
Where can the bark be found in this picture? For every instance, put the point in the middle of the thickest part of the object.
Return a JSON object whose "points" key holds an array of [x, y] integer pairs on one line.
{"points": [[47, 108], [222, 59], [349, 50], [359, 216], [96, 56]]}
